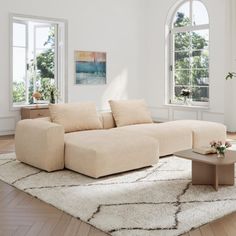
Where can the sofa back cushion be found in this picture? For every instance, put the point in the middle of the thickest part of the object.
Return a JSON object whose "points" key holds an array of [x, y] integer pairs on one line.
{"points": [[130, 112], [107, 120], [75, 116]]}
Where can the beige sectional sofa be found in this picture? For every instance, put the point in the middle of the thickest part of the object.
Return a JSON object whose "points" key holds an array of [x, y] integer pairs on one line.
{"points": [[108, 149]]}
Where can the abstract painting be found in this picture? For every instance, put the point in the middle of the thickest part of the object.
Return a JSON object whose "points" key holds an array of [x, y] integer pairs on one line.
{"points": [[90, 68]]}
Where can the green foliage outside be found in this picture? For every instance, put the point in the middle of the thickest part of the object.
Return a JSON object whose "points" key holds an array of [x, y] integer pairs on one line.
{"points": [[191, 62], [44, 76], [19, 92], [45, 64], [48, 90]]}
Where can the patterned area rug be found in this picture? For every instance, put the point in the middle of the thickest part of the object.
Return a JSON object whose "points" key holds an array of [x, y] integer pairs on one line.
{"points": [[159, 200]]}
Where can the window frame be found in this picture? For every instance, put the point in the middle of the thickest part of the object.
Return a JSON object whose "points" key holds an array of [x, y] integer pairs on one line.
{"points": [[171, 53], [61, 53], [26, 51]]}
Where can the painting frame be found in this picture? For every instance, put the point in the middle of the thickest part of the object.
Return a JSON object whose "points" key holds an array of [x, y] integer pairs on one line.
{"points": [[90, 67]]}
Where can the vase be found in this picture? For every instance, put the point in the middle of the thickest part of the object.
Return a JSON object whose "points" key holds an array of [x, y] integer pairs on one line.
{"points": [[37, 103], [220, 154], [185, 100], [52, 98]]}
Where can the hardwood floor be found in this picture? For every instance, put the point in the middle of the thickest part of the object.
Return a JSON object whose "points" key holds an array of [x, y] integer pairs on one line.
{"points": [[22, 214], [7, 144]]}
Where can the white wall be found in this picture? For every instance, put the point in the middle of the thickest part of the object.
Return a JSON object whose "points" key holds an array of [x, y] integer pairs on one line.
{"points": [[154, 85], [230, 63], [106, 25]]}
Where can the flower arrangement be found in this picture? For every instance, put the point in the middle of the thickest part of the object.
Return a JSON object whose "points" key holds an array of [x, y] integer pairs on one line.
{"points": [[185, 92], [220, 147]]}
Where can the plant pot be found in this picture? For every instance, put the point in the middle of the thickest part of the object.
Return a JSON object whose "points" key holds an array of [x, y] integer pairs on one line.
{"points": [[220, 154], [187, 101], [52, 98]]}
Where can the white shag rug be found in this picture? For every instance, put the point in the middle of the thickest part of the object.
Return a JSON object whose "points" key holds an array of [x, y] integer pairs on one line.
{"points": [[159, 200]]}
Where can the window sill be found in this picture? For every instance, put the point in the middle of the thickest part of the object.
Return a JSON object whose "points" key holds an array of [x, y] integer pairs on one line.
{"points": [[18, 107], [187, 106]]}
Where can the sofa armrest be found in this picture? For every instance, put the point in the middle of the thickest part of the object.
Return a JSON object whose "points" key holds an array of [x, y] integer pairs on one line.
{"points": [[206, 132], [40, 143]]}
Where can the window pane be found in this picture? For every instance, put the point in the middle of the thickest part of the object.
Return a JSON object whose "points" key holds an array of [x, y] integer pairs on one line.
{"points": [[182, 77], [45, 63], [200, 39], [182, 60], [200, 15], [182, 16], [200, 77], [182, 41], [200, 59], [200, 94], [43, 39], [19, 64], [19, 75], [19, 35], [19, 92]]}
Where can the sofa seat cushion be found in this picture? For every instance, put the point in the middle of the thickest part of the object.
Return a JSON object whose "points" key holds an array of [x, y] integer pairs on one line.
{"points": [[171, 137], [178, 135], [103, 152]]}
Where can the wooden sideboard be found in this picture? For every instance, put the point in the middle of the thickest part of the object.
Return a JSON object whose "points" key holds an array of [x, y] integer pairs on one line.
{"points": [[34, 112]]}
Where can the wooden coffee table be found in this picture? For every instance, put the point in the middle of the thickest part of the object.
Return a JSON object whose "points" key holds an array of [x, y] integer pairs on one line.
{"points": [[209, 169]]}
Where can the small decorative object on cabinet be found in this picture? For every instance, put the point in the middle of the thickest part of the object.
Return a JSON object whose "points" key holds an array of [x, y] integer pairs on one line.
{"points": [[34, 112], [37, 95]]}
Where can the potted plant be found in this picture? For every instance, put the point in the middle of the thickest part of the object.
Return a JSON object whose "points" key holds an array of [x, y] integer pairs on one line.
{"points": [[50, 92], [53, 93]]}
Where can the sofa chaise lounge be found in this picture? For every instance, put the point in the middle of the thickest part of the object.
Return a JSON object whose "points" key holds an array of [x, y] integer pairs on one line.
{"points": [[53, 144]]}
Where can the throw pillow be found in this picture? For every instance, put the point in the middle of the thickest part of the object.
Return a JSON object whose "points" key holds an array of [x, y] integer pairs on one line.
{"points": [[130, 112], [75, 116]]}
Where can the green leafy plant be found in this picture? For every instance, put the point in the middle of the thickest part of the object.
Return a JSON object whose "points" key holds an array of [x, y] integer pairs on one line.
{"points": [[230, 75], [49, 90]]}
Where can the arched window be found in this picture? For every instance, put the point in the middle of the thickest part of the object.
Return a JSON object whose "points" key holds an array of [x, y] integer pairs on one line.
{"points": [[189, 53]]}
